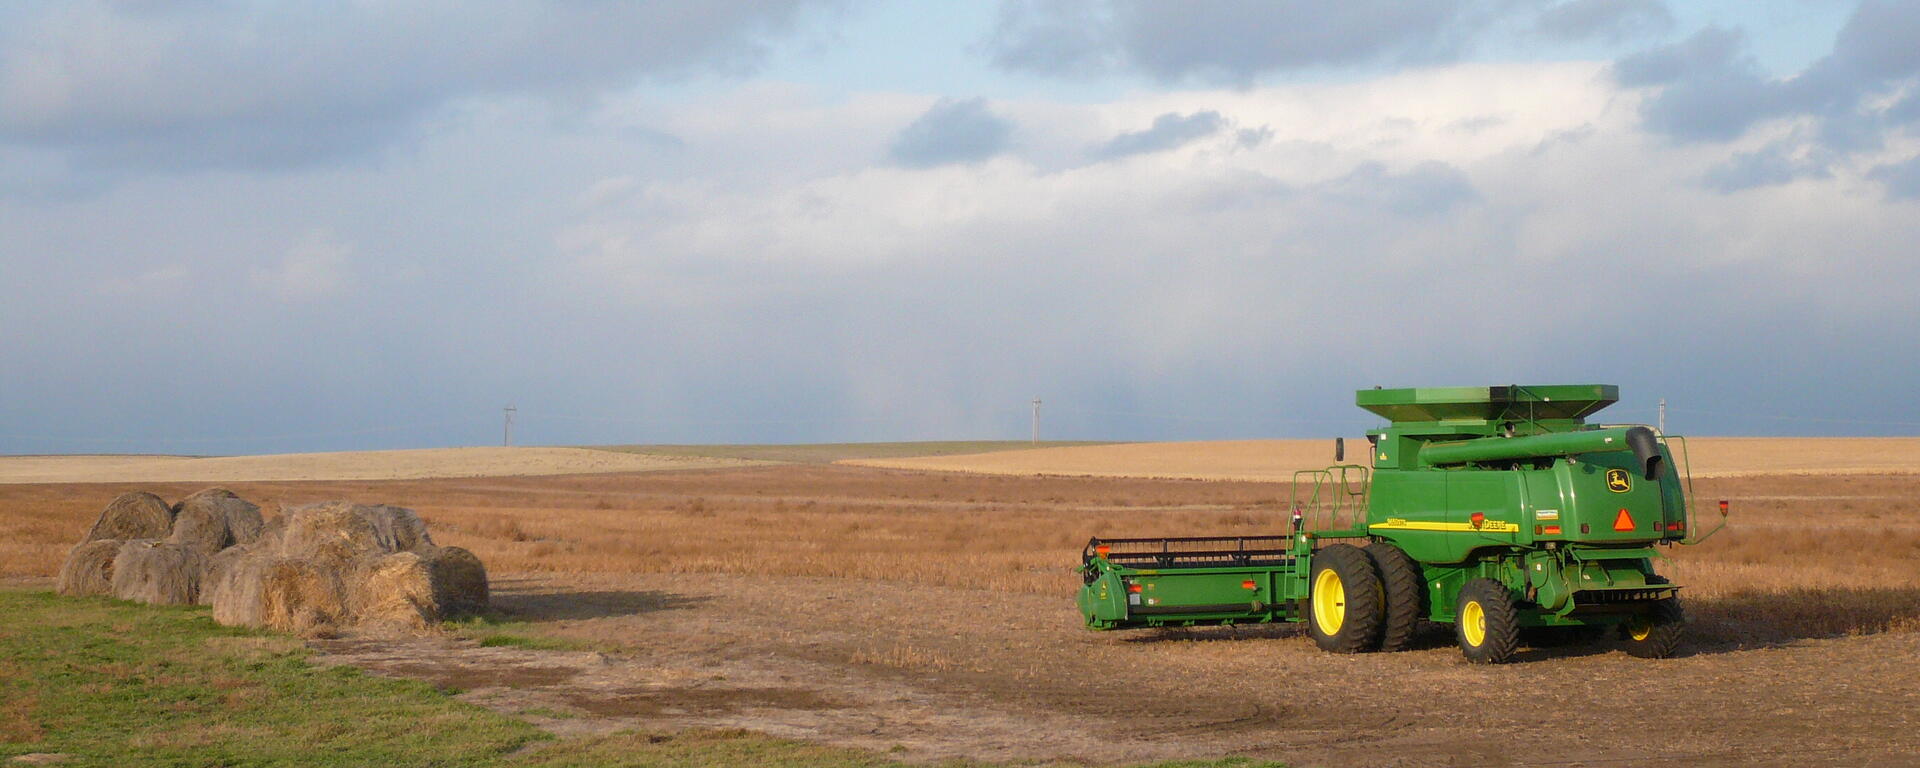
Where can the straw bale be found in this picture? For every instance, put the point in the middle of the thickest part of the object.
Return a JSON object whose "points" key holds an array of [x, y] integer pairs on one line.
{"points": [[234, 586], [459, 581], [135, 515], [301, 597], [417, 589], [214, 519], [393, 591], [219, 569], [88, 569], [333, 532], [156, 572], [260, 589], [401, 527]]}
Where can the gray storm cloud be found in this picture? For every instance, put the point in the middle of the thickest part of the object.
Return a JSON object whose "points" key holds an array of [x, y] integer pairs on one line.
{"points": [[1709, 88], [951, 131], [1169, 131], [262, 85], [1230, 41]]}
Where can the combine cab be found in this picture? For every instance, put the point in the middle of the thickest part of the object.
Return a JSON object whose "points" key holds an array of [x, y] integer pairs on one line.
{"points": [[1494, 509]]}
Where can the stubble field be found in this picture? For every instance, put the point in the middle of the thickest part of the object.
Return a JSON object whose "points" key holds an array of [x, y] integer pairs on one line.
{"points": [[930, 614]]}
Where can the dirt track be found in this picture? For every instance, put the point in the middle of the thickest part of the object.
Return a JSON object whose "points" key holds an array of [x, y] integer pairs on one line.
{"points": [[878, 608]]}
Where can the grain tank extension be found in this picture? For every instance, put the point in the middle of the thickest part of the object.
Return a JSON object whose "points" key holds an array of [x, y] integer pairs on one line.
{"points": [[1494, 509]]}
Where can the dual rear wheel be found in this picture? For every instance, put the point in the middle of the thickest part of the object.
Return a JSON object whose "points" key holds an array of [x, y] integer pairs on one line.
{"points": [[1375, 598], [1365, 599]]}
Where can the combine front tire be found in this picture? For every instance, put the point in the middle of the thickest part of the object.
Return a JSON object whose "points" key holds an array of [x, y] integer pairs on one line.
{"points": [[1656, 633], [1345, 603], [1406, 589], [1486, 623]]}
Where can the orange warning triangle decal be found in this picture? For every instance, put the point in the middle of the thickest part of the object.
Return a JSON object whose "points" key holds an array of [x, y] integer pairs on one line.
{"points": [[1623, 521]]}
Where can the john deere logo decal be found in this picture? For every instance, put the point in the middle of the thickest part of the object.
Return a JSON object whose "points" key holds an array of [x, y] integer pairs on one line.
{"points": [[1619, 481]]}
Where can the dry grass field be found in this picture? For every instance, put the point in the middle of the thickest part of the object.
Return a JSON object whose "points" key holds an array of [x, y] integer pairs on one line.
{"points": [[932, 611], [1277, 460], [931, 614], [345, 465]]}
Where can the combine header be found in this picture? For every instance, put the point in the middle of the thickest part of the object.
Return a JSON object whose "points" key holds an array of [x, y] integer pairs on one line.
{"points": [[1489, 508]]}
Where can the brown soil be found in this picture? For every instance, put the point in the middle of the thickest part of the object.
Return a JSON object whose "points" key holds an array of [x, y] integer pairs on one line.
{"points": [[878, 608]]}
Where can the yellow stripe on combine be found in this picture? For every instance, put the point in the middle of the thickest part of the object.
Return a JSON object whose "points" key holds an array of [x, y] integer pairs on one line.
{"points": [[1486, 526]]}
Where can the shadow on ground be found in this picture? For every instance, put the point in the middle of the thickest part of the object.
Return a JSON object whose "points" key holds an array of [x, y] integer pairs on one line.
{"points": [[541, 604], [1780, 616]]}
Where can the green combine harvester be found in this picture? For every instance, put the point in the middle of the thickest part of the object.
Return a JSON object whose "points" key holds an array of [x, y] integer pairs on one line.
{"points": [[1494, 509]]}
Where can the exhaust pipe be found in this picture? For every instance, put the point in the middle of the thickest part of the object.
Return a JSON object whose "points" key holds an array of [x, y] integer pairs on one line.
{"points": [[1646, 451]]}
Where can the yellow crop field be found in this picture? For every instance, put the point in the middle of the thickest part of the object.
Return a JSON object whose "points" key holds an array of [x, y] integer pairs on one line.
{"points": [[1277, 460]]}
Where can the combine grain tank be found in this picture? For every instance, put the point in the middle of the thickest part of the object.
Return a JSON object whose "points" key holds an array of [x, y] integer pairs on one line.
{"points": [[1494, 509]]}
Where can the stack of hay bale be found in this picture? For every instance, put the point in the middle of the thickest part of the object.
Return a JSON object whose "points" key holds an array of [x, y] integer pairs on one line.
{"points": [[312, 569]]}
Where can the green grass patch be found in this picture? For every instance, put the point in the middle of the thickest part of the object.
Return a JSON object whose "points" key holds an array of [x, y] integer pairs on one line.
{"points": [[111, 683], [827, 453]]}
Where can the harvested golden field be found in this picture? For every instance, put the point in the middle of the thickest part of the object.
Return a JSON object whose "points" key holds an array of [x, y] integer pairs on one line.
{"points": [[933, 611], [1277, 460], [348, 465]]}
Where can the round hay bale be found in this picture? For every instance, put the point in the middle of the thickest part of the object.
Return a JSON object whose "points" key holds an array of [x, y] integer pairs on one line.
{"points": [[301, 597], [219, 569], [88, 569], [260, 589], [394, 591], [156, 572], [335, 533], [416, 589], [400, 527], [234, 588], [459, 581], [135, 515], [271, 532], [213, 519]]}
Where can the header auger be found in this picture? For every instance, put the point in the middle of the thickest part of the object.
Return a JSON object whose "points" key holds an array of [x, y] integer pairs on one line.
{"points": [[1494, 509]]}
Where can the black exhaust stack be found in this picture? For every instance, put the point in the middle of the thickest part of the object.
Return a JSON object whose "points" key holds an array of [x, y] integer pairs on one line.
{"points": [[1646, 451]]}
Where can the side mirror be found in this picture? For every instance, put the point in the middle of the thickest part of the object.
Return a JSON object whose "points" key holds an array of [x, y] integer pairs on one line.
{"points": [[1339, 449]]}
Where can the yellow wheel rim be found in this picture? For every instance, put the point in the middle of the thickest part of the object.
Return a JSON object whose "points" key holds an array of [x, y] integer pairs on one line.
{"points": [[1473, 622], [1329, 602], [1639, 629]]}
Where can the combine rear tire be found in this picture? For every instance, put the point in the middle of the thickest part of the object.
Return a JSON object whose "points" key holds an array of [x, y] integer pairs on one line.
{"points": [[1406, 589], [1344, 604], [1656, 633], [1486, 623]]}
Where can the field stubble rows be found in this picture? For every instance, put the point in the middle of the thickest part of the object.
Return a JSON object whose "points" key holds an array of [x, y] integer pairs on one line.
{"points": [[962, 584]]}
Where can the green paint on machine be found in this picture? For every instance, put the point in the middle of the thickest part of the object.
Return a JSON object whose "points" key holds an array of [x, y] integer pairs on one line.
{"points": [[1491, 508]]}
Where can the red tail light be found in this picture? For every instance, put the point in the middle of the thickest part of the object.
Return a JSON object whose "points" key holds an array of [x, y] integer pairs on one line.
{"points": [[1133, 588], [1248, 584], [1477, 519], [1553, 530]]}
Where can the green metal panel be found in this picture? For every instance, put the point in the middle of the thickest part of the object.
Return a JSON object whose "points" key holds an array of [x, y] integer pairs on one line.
{"points": [[1544, 445], [1434, 404]]}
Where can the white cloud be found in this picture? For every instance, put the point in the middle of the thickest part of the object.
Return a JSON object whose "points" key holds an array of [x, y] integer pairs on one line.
{"points": [[314, 268]]}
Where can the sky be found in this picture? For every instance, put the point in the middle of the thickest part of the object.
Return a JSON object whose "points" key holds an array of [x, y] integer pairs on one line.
{"points": [[240, 227]]}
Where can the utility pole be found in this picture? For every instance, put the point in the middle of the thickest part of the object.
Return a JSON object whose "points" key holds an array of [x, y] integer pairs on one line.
{"points": [[1036, 421], [1663, 415], [506, 431]]}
